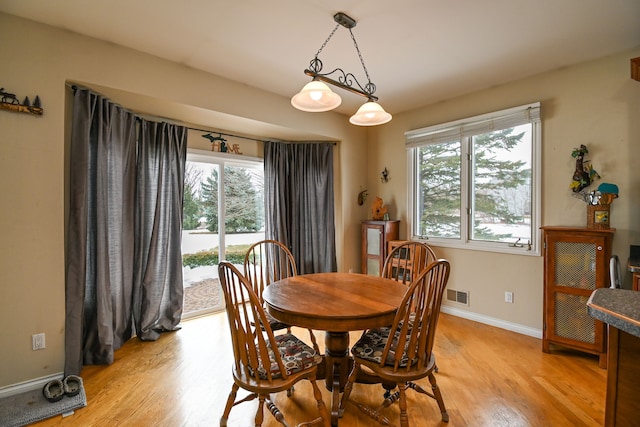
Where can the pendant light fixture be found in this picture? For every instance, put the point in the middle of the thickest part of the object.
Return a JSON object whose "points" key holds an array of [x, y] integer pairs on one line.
{"points": [[317, 96]]}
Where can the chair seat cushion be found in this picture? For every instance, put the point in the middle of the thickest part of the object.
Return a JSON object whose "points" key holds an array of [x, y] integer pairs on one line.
{"points": [[295, 354], [371, 345]]}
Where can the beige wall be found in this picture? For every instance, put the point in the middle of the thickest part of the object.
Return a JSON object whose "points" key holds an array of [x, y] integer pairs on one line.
{"points": [[596, 104], [592, 104], [39, 60]]}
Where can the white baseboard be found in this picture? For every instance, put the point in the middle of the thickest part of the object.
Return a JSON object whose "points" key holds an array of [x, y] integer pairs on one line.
{"points": [[33, 384], [492, 321]]}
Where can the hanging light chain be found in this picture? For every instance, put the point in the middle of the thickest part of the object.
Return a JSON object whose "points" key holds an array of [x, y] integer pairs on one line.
{"points": [[346, 80], [327, 40], [355, 43]]}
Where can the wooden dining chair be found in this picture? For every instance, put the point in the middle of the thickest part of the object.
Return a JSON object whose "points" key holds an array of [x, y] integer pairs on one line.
{"points": [[268, 261], [413, 331], [407, 259], [258, 366]]}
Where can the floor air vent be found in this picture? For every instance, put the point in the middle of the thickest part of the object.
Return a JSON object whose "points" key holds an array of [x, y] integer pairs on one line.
{"points": [[461, 297]]}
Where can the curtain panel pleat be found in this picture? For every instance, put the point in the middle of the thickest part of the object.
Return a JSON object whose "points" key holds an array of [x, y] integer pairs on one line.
{"points": [[100, 240], [299, 200], [158, 287], [103, 232]]}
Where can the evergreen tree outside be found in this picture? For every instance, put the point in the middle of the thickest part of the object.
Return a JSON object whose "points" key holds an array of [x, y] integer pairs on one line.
{"points": [[243, 203], [209, 204], [494, 173], [500, 192], [191, 211], [440, 191]]}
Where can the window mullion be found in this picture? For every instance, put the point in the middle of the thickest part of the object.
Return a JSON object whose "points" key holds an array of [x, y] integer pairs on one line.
{"points": [[465, 188]]}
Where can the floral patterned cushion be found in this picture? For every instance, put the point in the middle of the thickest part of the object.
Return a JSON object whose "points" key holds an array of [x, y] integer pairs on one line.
{"points": [[371, 345], [296, 356]]}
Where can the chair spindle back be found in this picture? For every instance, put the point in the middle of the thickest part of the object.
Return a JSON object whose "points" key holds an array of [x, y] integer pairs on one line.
{"points": [[416, 319], [245, 314], [268, 261], [407, 259]]}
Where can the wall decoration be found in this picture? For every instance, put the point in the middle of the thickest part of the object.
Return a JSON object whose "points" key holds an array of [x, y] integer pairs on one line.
{"points": [[9, 101], [584, 174], [219, 144], [598, 201], [384, 176], [362, 196]]}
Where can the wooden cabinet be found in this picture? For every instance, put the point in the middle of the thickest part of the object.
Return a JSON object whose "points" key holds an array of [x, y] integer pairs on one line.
{"points": [[375, 238], [576, 262], [623, 379], [618, 308]]}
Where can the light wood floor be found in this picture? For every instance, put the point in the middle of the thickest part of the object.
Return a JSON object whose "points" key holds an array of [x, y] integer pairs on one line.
{"points": [[488, 377]]}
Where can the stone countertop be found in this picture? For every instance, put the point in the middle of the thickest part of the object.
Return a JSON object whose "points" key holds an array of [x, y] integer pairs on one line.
{"points": [[619, 308]]}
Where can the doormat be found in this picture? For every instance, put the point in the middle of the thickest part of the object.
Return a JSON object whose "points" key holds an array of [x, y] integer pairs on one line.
{"points": [[31, 406]]}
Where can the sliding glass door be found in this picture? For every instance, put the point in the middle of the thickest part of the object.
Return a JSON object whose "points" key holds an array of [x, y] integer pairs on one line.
{"points": [[223, 214]]}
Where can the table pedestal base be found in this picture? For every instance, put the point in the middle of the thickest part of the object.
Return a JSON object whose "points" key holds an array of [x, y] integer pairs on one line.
{"points": [[337, 365]]}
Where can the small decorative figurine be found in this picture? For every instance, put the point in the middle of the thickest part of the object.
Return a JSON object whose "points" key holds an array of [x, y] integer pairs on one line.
{"points": [[379, 209]]}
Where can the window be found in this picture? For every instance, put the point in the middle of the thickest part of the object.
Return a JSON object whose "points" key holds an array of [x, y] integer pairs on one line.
{"points": [[474, 183], [220, 188]]}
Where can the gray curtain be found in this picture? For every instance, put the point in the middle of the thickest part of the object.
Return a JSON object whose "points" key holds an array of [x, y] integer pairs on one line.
{"points": [[107, 249], [299, 201], [158, 288]]}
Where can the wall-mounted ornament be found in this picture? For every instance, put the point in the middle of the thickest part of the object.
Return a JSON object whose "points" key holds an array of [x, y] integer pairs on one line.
{"points": [[9, 101], [384, 176], [584, 174], [362, 196], [219, 144]]}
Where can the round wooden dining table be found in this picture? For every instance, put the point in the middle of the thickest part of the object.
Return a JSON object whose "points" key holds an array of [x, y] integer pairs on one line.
{"points": [[336, 303]]}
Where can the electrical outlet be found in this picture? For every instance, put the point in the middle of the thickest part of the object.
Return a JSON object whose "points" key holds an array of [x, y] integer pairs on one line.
{"points": [[38, 341], [508, 296]]}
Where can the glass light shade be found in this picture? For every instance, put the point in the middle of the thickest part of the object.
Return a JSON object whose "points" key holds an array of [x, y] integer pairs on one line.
{"points": [[316, 97], [370, 114]]}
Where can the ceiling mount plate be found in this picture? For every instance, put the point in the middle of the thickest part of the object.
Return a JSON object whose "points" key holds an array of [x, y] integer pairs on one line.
{"points": [[344, 20]]}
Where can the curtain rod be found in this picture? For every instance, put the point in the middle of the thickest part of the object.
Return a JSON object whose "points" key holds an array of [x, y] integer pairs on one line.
{"points": [[138, 117]]}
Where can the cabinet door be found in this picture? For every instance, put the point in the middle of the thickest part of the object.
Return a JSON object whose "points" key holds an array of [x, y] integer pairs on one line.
{"points": [[374, 249], [375, 235], [576, 269]]}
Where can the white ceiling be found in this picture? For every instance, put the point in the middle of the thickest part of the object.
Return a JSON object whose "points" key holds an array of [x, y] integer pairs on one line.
{"points": [[416, 51]]}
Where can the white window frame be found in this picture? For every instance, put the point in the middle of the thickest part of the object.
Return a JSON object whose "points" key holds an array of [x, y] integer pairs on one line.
{"points": [[467, 127], [222, 160]]}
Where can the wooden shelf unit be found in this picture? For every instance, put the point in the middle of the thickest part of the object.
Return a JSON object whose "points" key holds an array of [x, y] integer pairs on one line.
{"points": [[576, 262]]}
